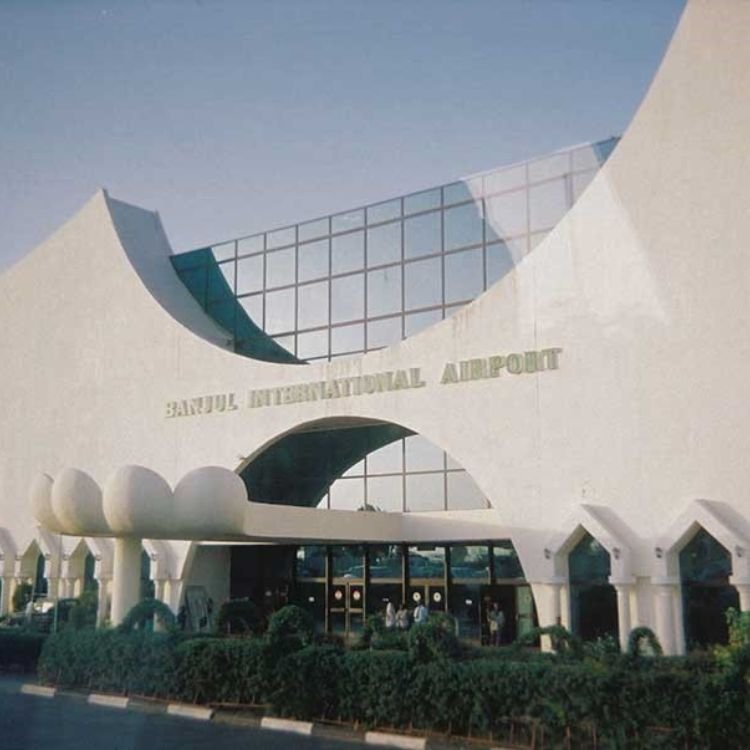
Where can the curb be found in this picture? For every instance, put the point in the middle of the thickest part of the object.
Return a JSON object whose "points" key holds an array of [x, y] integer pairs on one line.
{"points": [[384, 739], [286, 725], [268, 723], [39, 690], [111, 701], [190, 712]]}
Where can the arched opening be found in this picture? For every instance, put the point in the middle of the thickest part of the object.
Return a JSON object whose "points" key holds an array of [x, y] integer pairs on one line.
{"points": [[593, 600], [705, 567], [90, 584], [353, 464], [147, 588], [41, 585]]}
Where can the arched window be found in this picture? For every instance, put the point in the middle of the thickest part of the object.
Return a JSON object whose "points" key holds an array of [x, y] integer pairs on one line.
{"points": [[593, 600], [705, 567]]}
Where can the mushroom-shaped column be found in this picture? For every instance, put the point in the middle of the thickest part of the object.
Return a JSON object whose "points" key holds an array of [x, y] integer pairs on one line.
{"points": [[137, 501]]}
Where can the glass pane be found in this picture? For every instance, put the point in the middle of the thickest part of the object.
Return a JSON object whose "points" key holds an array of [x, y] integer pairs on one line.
{"points": [[422, 235], [253, 306], [280, 268], [585, 158], [311, 562], [250, 274], [465, 606], [384, 291], [548, 203], [704, 560], [384, 244], [347, 562], [312, 229], [385, 493], [588, 562], [386, 561], [313, 260], [551, 166], [424, 286], [386, 460], [425, 492], [195, 280], [383, 332], [501, 257], [248, 245], [348, 298], [348, 338], [507, 564], [426, 561], [312, 304], [280, 237], [358, 470], [465, 190], [470, 561], [348, 252], [423, 201], [285, 342], [422, 455], [223, 314], [463, 226], [506, 215], [224, 251], [312, 344], [463, 493], [347, 494], [348, 220], [417, 322], [464, 275], [505, 179], [384, 211], [580, 182], [220, 281], [280, 311]]}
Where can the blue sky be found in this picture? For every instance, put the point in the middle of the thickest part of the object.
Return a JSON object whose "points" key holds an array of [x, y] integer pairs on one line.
{"points": [[230, 117]]}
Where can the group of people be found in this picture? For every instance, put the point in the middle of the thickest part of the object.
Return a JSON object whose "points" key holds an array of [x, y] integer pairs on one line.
{"points": [[495, 623], [401, 618]]}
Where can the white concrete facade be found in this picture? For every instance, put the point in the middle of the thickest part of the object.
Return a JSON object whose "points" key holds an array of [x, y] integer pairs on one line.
{"points": [[638, 436]]}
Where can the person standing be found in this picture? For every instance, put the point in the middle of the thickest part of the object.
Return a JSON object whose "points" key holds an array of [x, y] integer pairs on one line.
{"points": [[420, 613], [390, 616], [402, 618]]}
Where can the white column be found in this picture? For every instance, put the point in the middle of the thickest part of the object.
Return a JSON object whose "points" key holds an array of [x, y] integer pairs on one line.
{"points": [[743, 589], [5, 595], [126, 577], [102, 604], [623, 613], [665, 627]]}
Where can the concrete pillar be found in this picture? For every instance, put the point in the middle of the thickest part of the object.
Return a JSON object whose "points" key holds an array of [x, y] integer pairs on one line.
{"points": [[126, 577], [102, 613], [743, 589], [5, 595], [624, 622], [664, 616]]}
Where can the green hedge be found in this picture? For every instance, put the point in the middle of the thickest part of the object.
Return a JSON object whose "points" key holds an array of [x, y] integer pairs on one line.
{"points": [[646, 703], [20, 650], [622, 700]]}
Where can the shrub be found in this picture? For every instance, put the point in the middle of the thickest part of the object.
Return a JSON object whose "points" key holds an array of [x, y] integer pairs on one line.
{"points": [[291, 627], [20, 649], [239, 616], [143, 612], [642, 641], [562, 640], [434, 639]]}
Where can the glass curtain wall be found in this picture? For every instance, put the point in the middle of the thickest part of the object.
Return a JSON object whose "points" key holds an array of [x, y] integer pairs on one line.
{"points": [[342, 585], [363, 279]]}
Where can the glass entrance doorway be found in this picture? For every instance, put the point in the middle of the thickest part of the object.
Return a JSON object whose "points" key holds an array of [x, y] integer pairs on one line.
{"points": [[346, 607]]}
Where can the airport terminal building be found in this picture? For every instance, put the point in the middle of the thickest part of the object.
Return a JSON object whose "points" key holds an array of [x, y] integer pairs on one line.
{"points": [[527, 386]]}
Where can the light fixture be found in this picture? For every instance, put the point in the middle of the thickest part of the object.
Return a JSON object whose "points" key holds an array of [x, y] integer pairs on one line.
{"points": [[616, 552], [659, 552], [547, 554], [739, 551]]}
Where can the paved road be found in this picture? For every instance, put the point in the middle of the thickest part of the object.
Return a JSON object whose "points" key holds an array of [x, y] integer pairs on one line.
{"points": [[69, 723]]}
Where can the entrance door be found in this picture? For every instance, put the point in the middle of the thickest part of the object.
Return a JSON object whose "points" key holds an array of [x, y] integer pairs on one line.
{"points": [[507, 599], [346, 607]]}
